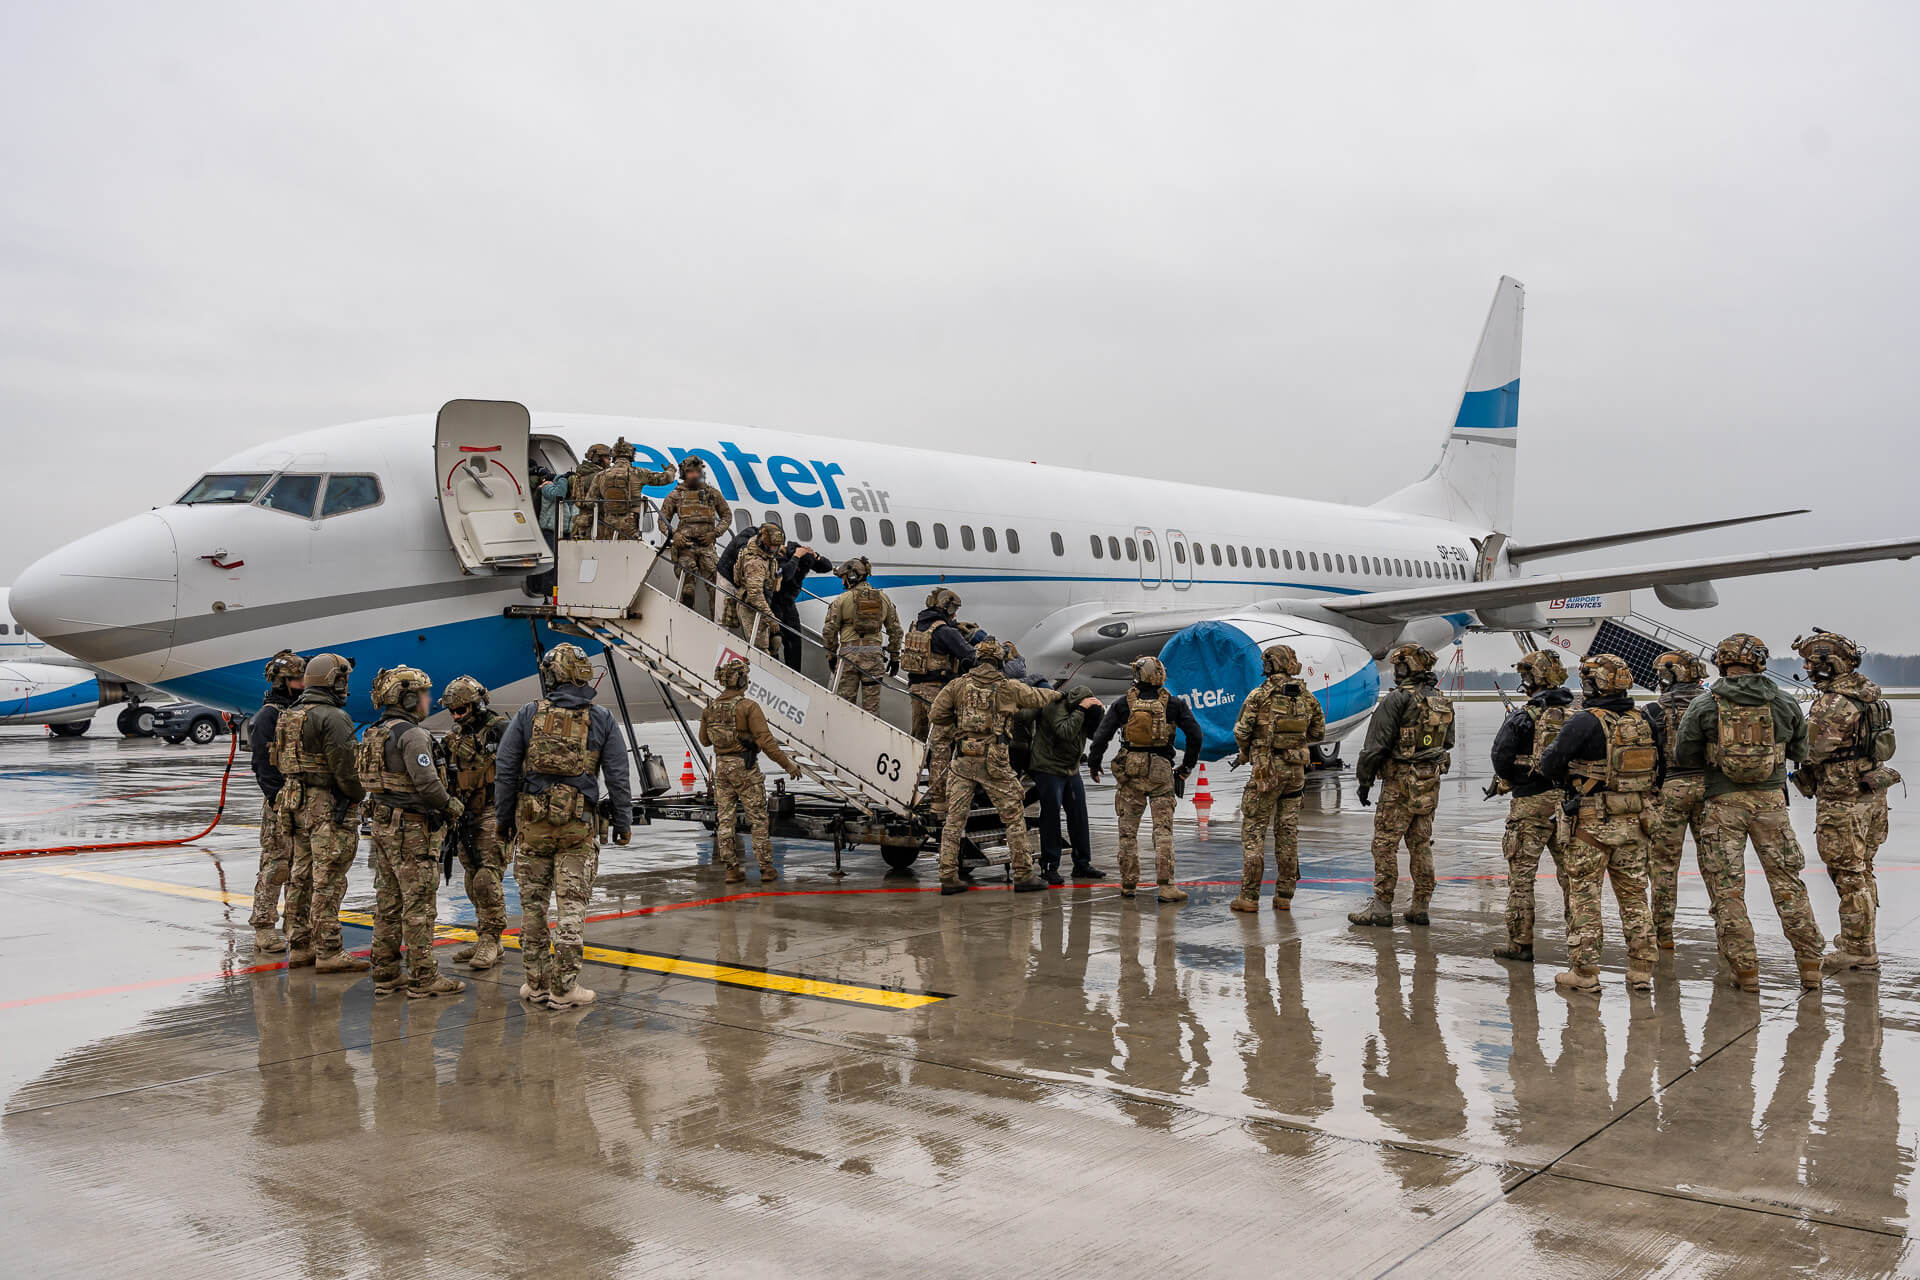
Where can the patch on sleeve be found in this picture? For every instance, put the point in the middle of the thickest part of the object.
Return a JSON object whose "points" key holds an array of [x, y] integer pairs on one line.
{"points": [[424, 760]]}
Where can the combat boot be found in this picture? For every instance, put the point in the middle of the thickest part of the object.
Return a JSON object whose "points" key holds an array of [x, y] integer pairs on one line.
{"points": [[1584, 981], [342, 962], [529, 992], [1170, 892], [269, 940], [1032, 884], [768, 872], [1282, 904], [466, 953], [485, 954], [1128, 888], [736, 876], [1417, 912], [1244, 903], [440, 986], [1664, 942], [1375, 912], [948, 887], [574, 997], [300, 958], [1520, 952], [1748, 980], [1639, 981], [1812, 974], [1838, 959], [388, 981]]}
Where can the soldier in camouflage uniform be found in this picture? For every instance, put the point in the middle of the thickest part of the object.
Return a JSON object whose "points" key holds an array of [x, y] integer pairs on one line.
{"points": [[756, 576], [1407, 747], [580, 490], [407, 802], [1533, 815], [470, 747], [616, 494], [313, 747], [736, 728], [1277, 723], [1145, 718], [698, 514], [932, 654], [1608, 759], [284, 674], [1850, 740], [977, 712], [546, 791], [852, 634], [1742, 734], [1682, 802]]}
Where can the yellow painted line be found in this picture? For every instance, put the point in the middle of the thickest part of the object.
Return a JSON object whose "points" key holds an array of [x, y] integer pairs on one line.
{"points": [[646, 961]]}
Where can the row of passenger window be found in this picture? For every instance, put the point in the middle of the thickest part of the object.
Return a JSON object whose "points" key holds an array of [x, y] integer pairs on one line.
{"points": [[1113, 547]]}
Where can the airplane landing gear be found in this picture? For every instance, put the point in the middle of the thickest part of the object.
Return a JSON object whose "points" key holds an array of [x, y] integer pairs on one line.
{"points": [[135, 721], [68, 730]]}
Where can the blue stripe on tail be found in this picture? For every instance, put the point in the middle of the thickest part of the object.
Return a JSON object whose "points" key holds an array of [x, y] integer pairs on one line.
{"points": [[1490, 410]]}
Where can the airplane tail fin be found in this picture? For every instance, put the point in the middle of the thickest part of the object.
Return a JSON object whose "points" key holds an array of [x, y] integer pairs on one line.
{"points": [[1473, 481]]}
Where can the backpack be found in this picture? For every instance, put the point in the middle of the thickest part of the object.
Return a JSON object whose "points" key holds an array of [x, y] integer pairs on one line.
{"points": [[1423, 734], [1875, 736], [869, 610], [917, 657], [1632, 761], [1673, 709], [1547, 724], [977, 709], [616, 491], [1147, 728], [722, 723], [1744, 748], [558, 744], [580, 488], [289, 753]]}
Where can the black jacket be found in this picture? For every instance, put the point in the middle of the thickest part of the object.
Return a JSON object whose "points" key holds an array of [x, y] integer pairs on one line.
{"points": [[731, 555], [946, 639], [794, 569], [1515, 739], [1582, 738], [1179, 714], [260, 732]]}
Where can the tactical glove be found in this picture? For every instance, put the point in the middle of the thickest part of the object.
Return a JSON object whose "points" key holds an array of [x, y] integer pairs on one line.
{"points": [[622, 834], [454, 808], [1365, 794], [793, 769], [1093, 772], [893, 667]]}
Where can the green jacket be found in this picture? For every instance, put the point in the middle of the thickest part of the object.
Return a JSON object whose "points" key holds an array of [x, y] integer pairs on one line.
{"points": [[1383, 731], [1059, 733], [1701, 727], [328, 733]]}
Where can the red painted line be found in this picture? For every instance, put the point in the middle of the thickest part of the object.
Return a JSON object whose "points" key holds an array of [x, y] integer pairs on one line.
{"points": [[479, 448]]}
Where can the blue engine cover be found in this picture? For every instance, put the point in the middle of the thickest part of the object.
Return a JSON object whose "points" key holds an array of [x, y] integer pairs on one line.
{"points": [[1213, 666]]}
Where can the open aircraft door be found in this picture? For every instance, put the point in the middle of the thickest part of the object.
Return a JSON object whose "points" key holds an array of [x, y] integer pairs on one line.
{"points": [[480, 461]]}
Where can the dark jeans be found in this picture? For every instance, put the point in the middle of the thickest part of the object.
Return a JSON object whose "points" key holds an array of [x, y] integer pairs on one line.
{"points": [[788, 611], [1056, 791]]}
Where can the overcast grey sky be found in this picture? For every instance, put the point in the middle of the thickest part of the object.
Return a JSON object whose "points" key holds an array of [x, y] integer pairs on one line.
{"points": [[1250, 243]]}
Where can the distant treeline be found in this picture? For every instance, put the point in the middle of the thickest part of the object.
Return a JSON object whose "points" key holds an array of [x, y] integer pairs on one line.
{"points": [[1891, 670]]}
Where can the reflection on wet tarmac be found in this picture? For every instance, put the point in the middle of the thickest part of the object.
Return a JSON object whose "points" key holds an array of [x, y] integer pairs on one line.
{"points": [[1113, 1086]]}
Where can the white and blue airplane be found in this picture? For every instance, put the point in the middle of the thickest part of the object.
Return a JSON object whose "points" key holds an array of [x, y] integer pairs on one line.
{"points": [[402, 540], [41, 685]]}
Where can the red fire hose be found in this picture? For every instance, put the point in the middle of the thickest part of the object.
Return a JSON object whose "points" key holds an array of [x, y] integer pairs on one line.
{"points": [[232, 750]]}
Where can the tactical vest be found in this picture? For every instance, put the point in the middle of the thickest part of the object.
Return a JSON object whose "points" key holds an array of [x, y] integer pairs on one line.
{"points": [[1281, 721], [1631, 761], [917, 657], [694, 509], [1673, 709], [558, 745], [722, 723], [867, 614], [1147, 727], [1423, 734], [1547, 723], [1873, 738], [977, 710], [471, 756], [1744, 748], [290, 755], [379, 773], [616, 492], [580, 488]]}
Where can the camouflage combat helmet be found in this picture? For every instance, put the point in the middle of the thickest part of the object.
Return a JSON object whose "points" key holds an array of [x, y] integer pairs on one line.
{"points": [[399, 688], [1677, 666], [1828, 654], [1606, 673], [732, 672], [943, 601], [329, 671], [990, 652], [857, 570], [463, 692], [284, 666], [690, 464], [1149, 671], [622, 451], [599, 453], [1741, 650], [566, 664], [1280, 660], [1416, 658], [771, 535], [1543, 669]]}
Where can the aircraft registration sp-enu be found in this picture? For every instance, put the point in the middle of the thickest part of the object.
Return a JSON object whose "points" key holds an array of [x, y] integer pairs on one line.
{"points": [[402, 540]]}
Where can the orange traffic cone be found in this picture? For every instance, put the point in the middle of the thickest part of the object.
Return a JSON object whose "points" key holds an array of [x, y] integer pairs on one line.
{"points": [[686, 773], [1202, 797]]}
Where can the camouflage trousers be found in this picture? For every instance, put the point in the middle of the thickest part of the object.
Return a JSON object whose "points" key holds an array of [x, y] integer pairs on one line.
{"points": [[554, 862], [1848, 833], [1532, 829], [859, 673], [484, 863], [738, 785], [582, 526], [1682, 805], [993, 775], [1144, 779], [620, 529], [923, 693], [730, 611], [1259, 811], [1394, 821], [1761, 815], [1606, 847], [276, 867], [698, 567], [323, 850], [939, 740], [406, 872]]}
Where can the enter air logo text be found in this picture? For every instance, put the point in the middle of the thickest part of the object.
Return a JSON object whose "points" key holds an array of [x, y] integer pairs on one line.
{"points": [[1211, 698], [804, 483]]}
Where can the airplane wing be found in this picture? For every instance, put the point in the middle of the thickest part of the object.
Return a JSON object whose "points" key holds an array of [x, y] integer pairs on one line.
{"points": [[1502, 593]]}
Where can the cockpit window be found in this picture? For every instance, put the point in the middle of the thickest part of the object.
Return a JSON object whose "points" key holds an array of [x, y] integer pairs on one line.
{"points": [[236, 487], [350, 493], [293, 495]]}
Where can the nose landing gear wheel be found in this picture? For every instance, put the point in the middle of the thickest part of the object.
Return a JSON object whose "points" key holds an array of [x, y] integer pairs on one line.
{"points": [[135, 722]]}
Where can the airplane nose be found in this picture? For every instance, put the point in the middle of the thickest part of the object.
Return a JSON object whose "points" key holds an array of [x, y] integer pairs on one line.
{"points": [[109, 599]]}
